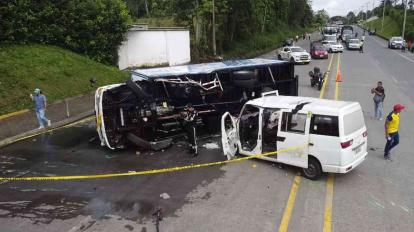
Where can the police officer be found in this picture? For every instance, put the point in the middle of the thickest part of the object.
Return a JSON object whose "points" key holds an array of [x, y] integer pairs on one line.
{"points": [[190, 121]]}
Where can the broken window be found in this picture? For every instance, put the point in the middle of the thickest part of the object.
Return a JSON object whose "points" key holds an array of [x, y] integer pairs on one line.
{"points": [[249, 127], [293, 122]]}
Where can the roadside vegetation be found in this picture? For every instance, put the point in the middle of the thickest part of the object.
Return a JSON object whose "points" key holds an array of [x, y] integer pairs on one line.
{"points": [[58, 72], [391, 27], [56, 45]]}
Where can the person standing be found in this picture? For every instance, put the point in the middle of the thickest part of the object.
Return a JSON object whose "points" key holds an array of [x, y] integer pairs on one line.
{"points": [[40, 107], [379, 96], [190, 124], [361, 47], [391, 130]]}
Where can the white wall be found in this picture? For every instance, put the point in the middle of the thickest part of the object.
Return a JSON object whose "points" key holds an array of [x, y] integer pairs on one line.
{"points": [[155, 47]]}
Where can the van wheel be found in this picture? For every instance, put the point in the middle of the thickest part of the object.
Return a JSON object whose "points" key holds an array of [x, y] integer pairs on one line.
{"points": [[314, 170]]}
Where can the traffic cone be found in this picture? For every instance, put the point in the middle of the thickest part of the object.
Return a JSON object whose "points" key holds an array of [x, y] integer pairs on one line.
{"points": [[338, 76]]}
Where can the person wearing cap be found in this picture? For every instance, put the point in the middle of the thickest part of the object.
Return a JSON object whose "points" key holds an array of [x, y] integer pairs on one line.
{"points": [[190, 121], [40, 107], [391, 130]]}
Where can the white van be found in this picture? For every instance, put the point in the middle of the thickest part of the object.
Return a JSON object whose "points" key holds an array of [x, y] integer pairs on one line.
{"points": [[328, 136]]}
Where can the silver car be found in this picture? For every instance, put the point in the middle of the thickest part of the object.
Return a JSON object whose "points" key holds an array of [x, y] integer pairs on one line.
{"points": [[353, 44], [396, 43]]}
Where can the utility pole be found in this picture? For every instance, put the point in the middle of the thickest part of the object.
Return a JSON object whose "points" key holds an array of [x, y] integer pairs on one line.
{"points": [[405, 17], [383, 14], [214, 31]]}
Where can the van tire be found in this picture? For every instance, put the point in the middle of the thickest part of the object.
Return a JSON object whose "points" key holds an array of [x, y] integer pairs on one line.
{"points": [[314, 170]]}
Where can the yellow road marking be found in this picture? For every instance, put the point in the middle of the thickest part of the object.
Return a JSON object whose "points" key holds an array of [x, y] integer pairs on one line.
{"points": [[149, 172], [13, 114], [287, 214], [290, 205], [47, 131], [325, 83], [327, 226]]}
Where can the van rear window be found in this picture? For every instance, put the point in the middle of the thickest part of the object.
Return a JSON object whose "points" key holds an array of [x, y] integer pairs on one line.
{"points": [[324, 125], [353, 122]]}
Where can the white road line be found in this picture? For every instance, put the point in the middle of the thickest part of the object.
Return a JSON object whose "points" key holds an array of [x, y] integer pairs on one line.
{"points": [[405, 57], [393, 78]]}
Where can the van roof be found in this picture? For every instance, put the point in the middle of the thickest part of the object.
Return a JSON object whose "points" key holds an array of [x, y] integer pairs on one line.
{"points": [[315, 105]]}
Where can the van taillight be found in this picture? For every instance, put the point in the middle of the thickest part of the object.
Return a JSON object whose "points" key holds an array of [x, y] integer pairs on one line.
{"points": [[365, 134], [347, 144]]}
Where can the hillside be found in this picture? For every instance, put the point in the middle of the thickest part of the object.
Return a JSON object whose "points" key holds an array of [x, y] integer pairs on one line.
{"points": [[58, 72], [391, 27]]}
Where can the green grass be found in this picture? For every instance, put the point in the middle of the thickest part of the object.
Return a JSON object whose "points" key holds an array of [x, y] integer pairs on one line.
{"points": [[58, 72], [391, 27], [262, 43]]}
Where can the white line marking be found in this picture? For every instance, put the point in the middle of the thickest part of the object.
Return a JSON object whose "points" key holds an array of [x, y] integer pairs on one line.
{"points": [[405, 57], [395, 80], [405, 209], [392, 203]]}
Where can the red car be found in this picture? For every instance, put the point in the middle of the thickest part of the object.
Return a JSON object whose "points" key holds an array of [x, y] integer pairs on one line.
{"points": [[318, 51]]}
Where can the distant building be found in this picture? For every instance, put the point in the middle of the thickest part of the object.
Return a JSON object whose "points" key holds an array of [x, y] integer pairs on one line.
{"points": [[146, 46]]}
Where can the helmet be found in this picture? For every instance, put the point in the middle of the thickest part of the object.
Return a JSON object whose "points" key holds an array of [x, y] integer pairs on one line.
{"points": [[316, 69], [37, 91]]}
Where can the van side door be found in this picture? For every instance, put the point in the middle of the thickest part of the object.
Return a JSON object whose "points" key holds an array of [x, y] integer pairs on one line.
{"points": [[293, 137]]}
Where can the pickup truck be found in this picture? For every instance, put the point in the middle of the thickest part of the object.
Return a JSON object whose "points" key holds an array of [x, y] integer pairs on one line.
{"points": [[295, 55]]}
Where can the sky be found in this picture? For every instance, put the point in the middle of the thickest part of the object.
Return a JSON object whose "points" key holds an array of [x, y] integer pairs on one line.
{"points": [[341, 7]]}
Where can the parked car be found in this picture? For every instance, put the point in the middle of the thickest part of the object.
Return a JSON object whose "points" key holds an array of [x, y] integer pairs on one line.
{"points": [[329, 136], [353, 44], [295, 55], [332, 46], [318, 51], [146, 111], [288, 42], [396, 43]]}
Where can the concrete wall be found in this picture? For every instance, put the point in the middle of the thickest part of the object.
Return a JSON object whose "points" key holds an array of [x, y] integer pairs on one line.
{"points": [[155, 47]]}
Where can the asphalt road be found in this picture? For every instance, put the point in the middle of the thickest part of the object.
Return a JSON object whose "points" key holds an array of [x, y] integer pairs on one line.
{"points": [[247, 196]]}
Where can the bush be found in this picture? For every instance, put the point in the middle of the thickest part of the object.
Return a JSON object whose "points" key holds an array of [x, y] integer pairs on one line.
{"points": [[92, 27]]}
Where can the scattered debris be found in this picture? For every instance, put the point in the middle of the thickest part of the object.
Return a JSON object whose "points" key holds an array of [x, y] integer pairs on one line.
{"points": [[109, 156], [211, 146], [253, 165], [165, 196], [129, 227]]}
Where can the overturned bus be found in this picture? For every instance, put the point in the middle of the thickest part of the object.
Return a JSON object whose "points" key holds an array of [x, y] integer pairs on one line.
{"points": [[146, 111]]}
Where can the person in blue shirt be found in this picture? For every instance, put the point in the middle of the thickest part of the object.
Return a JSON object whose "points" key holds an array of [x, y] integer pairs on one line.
{"points": [[40, 107]]}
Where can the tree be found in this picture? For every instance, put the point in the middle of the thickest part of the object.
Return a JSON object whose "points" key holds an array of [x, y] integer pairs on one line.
{"points": [[321, 17], [351, 17]]}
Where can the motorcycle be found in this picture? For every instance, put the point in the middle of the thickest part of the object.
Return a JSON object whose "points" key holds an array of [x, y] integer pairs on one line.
{"points": [[316, 78]]}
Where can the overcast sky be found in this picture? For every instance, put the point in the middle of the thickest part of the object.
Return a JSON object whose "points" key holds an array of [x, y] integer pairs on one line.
{"points": [[341, 7]]}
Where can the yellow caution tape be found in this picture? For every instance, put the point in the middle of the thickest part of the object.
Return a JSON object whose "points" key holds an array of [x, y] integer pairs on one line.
{"points": [[90, 118], [149, 172]]}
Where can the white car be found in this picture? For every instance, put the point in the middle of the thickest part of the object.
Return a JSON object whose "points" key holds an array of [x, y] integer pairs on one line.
{"points": [[332, 46], [315, 134], [295, 55], [353, 44], [396, 43]]}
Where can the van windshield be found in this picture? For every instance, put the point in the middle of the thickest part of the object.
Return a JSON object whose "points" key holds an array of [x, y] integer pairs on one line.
{"points": [[353, 122]]}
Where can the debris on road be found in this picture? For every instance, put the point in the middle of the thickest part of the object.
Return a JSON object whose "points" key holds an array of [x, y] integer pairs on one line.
{"points": [[210, 146], [165, 196]]}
